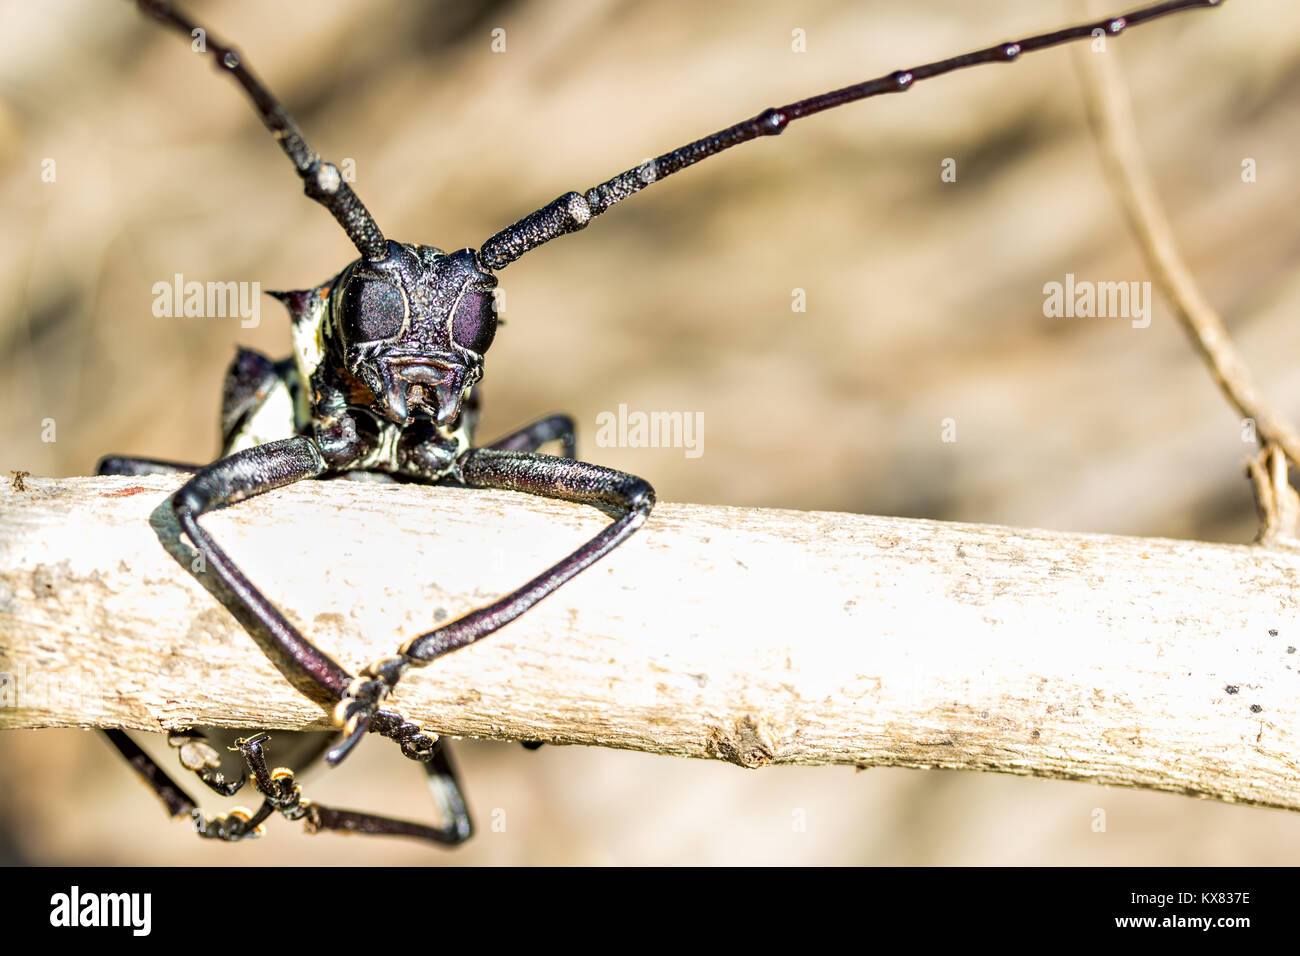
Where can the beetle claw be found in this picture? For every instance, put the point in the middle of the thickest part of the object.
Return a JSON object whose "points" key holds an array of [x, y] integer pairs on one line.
{"points": [[357, 726]]}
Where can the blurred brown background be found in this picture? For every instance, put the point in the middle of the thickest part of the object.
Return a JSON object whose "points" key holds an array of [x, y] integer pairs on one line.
{"points": [[924, 302]]}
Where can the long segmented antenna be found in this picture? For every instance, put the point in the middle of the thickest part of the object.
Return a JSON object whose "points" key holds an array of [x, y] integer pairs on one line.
{"points": [[321, 181], [573, 211]]}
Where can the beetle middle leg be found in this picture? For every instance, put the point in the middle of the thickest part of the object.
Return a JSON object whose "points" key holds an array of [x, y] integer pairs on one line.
{"points": [[528, 472], [536, 434], [282, 794], [199, 751], [174, 798], [139, 467]]}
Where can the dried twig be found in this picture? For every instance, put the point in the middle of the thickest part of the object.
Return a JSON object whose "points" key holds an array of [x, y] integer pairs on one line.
{"points": [[1110, 113], [751, 636]]}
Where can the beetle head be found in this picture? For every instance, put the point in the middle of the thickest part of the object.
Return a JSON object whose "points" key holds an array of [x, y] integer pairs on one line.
{"points": [[413, 328]]}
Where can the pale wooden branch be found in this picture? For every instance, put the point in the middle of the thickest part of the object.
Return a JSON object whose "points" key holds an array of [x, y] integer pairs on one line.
{"points": [[1110, 114], [756, 637]]}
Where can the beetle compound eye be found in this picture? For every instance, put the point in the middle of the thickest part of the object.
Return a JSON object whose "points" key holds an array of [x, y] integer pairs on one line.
{"points": [[372, 310], [474, 324]]}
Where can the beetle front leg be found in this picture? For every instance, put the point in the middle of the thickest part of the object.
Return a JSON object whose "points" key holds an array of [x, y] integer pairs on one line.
{"points": [[232, 479], [530, 438], [535, 474], [245, 474]]}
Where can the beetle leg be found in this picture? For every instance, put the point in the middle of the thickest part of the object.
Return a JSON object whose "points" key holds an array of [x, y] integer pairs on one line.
{"points": [[530, 438], [201, 758], [282, 794], [237, 825], [243, 475], [447, 796], [561, 478], [118, 465], [444, 787], [535, 474], [536, 434], [177, 801], [232, 479]]}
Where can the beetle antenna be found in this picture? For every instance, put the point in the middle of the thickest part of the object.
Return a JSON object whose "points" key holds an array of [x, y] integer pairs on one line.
{"points": [[573, 211], [322, 181]]}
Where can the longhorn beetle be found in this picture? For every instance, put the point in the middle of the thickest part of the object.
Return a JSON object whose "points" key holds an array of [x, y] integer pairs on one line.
{"points": [[383, 384]]}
